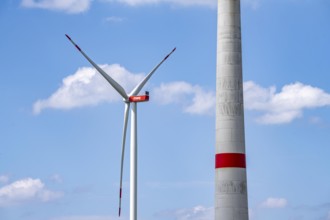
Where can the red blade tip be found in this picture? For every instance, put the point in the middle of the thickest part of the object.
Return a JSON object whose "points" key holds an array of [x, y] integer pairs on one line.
{"points": [[170, 53], [77, 47]]}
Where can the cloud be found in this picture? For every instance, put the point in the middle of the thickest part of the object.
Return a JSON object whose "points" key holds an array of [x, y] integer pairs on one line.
{"points": [[4, 179], [90, 217], [251, 213], [86, 87], [114, 19], [274, 203], [286, 105], [277, 108], [167, 185], [195, 99], [26, 190], [195, 213], [68, 6], [315, 120], [254, 4], [211, 3], [79, 6], [82, 189], [56, 178]]}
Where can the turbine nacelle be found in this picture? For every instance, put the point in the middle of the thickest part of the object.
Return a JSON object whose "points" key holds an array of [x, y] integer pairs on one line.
{"points": [[139, 98]]}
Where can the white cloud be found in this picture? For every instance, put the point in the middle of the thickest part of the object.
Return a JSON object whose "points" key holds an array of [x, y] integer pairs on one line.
{"points": [[286, 105], [68, 6], [274, 203], [195, 99], [56, 178], [315, 120], [26, 190], [195, 213], [167, 185], [114, 19], [79, 6], [278, 108], [211, 3], [251, 213], [89, 217], [4, 179], [87, 87], [252, 3]]}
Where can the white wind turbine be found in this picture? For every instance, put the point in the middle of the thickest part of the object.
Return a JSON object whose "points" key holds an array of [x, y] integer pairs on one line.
{"points": [[128, 98]]}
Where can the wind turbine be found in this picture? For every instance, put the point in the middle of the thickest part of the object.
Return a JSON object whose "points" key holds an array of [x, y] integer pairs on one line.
{"points": [[128, 98]]}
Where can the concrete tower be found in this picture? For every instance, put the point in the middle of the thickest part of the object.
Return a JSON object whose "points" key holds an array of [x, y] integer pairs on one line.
{"points": [[231, 201]]}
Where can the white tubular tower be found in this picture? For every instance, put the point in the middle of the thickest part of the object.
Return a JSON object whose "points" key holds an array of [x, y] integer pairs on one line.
{"points": [[231, 202], [133, 163]]}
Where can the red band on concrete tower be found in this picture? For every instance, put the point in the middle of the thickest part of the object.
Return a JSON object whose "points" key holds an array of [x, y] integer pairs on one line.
{"points": [[230, 160]]}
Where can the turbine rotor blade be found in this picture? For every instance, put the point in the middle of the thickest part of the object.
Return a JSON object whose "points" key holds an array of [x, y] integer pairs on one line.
{"points": [[138, 88], [126, 113], [112, 82]]}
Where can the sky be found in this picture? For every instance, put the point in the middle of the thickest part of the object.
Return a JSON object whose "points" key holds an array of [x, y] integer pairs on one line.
{"points": [[61, 123]]}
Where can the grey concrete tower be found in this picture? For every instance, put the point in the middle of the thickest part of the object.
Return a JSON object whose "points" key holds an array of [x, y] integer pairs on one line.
{"points": [[231, 201]]}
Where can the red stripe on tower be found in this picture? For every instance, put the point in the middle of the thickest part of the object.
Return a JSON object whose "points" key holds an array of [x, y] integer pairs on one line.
{"points": [[230, 160]]}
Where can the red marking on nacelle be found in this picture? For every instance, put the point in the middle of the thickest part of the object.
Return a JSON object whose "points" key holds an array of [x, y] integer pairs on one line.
{"points": [[230, 160], [139, 98]]}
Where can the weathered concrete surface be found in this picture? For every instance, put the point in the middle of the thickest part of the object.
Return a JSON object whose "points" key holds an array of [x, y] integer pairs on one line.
{"points": [[231, 201]]}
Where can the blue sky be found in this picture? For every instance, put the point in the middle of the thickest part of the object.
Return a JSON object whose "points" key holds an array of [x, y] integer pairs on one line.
{"points": [[61, 124]]}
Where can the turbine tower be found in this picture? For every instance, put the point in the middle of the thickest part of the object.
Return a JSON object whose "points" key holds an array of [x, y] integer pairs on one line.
{"points": [[231, 201], [128, 98]]}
